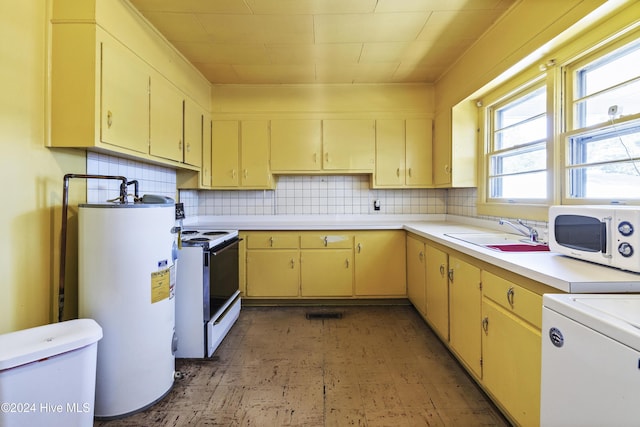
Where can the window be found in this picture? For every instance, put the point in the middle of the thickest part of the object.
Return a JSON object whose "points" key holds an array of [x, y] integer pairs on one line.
{"points": [[517, 156], [603, 150]]}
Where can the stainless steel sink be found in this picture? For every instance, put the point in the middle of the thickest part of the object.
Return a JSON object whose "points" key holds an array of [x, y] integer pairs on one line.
{"points": [[502, 242]]}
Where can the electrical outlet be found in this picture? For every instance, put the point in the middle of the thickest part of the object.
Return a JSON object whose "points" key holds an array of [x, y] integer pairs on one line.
{"points": [[376, 205]]}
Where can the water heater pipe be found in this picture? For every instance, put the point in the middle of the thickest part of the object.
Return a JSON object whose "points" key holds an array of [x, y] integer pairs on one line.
{"points": [[63, 236]]}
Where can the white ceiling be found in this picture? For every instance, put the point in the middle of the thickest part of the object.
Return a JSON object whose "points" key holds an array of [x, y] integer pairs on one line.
{"points": [[322, 41]]}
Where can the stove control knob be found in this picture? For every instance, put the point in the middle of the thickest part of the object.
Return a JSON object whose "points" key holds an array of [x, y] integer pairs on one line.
{"points": [[625, 249], [625, 228]]}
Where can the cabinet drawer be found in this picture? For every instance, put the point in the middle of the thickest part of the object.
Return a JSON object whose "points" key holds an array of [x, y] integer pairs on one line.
{"points": [[328, 240], [513, 298], [272, 240]]}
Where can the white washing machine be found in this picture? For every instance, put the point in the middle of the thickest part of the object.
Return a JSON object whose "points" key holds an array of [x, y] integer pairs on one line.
{"points": [[590, 360]]}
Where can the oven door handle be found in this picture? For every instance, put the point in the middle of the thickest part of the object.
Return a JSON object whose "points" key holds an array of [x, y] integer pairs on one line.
{"points": [[226, 245]]}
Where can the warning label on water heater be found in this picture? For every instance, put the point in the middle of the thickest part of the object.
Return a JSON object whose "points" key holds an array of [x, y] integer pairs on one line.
{"points": [[161, 285]]}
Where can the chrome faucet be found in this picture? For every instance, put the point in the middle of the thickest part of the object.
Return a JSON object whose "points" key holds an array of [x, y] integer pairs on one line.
{"points": [[530, 232]]}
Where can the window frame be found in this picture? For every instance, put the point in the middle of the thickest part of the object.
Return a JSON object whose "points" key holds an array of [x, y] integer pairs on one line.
{"points": [[522, 85], [573, 129]]}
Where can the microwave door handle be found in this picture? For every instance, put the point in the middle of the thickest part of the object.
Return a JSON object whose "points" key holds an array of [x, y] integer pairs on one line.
{"points": [[607, 253]]}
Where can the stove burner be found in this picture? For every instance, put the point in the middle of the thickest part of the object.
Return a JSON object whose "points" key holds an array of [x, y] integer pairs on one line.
{"points": [[215, 233], [199, 239], [189, 232]]}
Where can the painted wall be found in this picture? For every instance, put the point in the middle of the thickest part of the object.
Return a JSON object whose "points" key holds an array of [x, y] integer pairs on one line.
{"points": [[32, 174]]}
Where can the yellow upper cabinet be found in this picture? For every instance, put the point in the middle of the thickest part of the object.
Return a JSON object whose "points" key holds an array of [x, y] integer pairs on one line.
{"points": [[124, 106], [225, 151], [296, 145], [254, 149], [240, 154], [403, 153], [117, 87], [193, 133], [348, 145], [166, 119], [455, 147]]}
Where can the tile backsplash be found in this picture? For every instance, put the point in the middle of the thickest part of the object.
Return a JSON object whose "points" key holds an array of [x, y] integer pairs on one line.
{"points": [[316, 195], [151, 179], [293, 195]]}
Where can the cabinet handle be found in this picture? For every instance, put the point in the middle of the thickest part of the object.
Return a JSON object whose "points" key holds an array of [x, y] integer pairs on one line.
{"points": [[188, 147], [409, 172], [398, 172], [421, 256], [109, 119], [233, 173], [441, 270], [315, 157], [293, 263], [245, 173], [485, 325], [447, 168], [359, 248], [180, 144], [326, 241], [326, 156], [451, 274], [347, 262], [271, 241], [510, 295]]}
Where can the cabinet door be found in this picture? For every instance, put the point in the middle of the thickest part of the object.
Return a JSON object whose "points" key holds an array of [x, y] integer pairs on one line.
{"points": [[511, 363], [254, 147], [205, 174], [296, 145], [166, 119], [380, 263], [465, 313], [273, 273], [419, 154], [348, 145], [327, 273], [125, 99], [416, 273], [390, 153], [224, 153], [437, 292], [193, 132]]}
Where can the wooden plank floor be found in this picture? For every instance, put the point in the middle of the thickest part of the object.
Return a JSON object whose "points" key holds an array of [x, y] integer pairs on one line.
{"points": [[376, 366]]}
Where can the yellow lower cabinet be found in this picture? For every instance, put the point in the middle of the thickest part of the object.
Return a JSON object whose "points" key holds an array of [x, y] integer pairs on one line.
{"points": [[437, 291], [465, 299], [416, 273], [273, 273], [326, 272], [511, 347], [380, 263]]}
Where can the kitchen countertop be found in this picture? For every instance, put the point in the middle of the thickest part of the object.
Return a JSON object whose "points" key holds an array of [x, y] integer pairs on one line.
{"points": [[558, 271]]}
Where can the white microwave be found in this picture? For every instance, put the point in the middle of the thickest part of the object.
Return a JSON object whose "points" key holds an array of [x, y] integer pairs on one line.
{"points": [[608, 235]]}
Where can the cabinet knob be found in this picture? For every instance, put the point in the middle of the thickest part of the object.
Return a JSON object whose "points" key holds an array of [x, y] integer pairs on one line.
{"points": [[441, 270], [271, 241], [421, 256], [451, 274], [359, 248], [347, 262], [109, 119], [485, 325], [293, 263], [180, 144], [326, 241]]}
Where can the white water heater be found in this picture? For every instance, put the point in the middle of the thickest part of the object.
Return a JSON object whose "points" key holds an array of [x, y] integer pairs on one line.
{"points": [[126, 277]]}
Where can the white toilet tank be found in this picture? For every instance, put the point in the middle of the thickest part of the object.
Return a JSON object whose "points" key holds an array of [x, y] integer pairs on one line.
{"points": [[48, 375]]}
